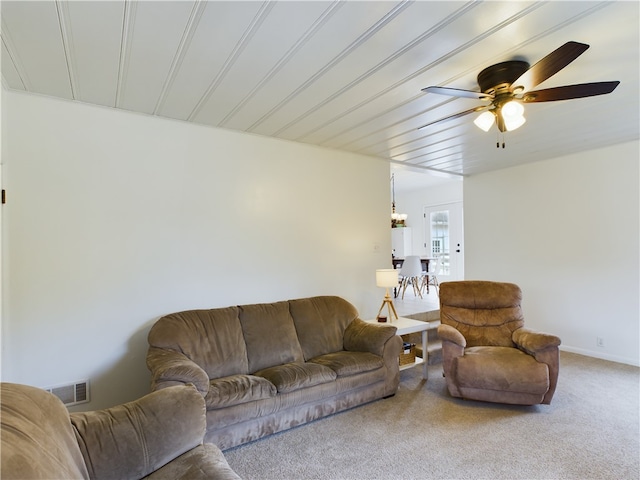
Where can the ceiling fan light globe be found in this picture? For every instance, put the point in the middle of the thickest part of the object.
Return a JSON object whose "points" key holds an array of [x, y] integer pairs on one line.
{"points": [[513, 123], [512, 110], [484, 121]]}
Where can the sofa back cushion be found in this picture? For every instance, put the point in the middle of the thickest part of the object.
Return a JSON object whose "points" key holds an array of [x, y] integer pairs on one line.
{"points": [[38, 441], [213, 339], [485, 312], [321, 322], [270, 335]]}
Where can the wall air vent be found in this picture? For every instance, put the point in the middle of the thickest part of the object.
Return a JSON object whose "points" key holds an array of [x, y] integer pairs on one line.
{"points": [[72, 393]]}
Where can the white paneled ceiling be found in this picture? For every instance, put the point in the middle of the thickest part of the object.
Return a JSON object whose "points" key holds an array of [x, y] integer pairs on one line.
{"points": [[345, 74]]}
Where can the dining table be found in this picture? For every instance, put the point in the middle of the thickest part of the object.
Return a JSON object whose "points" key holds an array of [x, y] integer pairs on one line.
{"points": [[398, 261]]}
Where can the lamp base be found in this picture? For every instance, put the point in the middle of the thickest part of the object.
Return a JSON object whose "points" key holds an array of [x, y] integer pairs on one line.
{"points": [[389, 303]]}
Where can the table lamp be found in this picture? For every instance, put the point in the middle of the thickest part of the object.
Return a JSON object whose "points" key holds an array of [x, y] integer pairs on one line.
{"points": [[387, 278]]}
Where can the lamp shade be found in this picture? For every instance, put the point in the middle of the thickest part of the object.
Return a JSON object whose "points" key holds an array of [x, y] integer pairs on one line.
{"points": [[485, 120], [387, 277], [512, 114], [513, 123]]}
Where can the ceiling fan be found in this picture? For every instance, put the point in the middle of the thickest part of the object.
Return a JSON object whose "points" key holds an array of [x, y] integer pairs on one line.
{"points": [[507, 85]]}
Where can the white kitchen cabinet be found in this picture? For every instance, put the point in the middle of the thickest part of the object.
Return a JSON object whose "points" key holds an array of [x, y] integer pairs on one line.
{"points": [[401, 241]]}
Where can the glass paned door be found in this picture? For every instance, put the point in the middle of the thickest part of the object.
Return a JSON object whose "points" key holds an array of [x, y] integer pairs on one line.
{"points": [[443, 238], [439, 225]]}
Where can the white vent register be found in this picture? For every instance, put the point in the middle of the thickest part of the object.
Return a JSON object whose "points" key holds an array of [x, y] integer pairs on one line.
{"points": [[72, 393]]}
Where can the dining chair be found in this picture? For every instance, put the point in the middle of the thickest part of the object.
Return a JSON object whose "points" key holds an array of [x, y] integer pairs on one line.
{"points": [[411, 274], [430, 276]]}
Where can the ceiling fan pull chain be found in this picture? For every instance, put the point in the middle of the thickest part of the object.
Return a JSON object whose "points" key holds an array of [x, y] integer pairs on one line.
{"points": [[498, 135]]}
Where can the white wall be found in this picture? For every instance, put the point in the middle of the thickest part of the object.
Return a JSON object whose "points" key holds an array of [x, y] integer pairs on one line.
{"points": [[115, 219], [567, 231], [413, 202]]}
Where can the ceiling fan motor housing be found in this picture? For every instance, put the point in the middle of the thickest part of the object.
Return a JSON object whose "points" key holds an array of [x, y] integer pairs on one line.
{"points": [[497, 79]]}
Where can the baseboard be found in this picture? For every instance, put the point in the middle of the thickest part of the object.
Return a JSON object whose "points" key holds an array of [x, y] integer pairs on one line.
{"points": [[601, 356]]}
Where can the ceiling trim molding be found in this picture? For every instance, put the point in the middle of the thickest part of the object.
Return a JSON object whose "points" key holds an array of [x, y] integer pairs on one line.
{"points": [[128, 21], [185, 41], [320, 21], [14, 57], [391, 58], [62, 9], [332, 63], [251, 30]]}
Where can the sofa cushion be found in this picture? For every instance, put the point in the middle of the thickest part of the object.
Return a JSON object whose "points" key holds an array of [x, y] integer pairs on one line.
{"points": [[321, 322], [294, 376], [503, 369], [212, 339], [236, 389], [349, 363], [270, 335]]}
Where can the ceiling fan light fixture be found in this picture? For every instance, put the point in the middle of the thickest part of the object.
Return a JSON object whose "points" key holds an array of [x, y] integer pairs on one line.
{"points": [[512, 115], [512, 123], [485, 120], [512, 109]]}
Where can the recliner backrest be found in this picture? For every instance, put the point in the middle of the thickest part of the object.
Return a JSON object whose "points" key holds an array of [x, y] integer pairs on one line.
{"points": [[485, 312]]}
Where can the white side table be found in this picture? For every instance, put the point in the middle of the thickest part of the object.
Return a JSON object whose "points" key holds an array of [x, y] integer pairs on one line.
{"points": [[406, 326]]}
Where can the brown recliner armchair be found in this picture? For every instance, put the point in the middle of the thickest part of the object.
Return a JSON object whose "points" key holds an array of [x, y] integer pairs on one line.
{"points": [[487, 353]]}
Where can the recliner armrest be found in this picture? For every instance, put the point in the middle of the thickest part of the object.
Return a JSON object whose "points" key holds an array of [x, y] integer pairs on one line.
{"points": [[532, 342], [134, 439], [450, 334], [171, 367], [361, 336]]}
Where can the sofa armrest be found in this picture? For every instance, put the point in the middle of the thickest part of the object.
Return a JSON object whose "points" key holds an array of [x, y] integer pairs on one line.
{"points": [[450, 334], [532, 342], [132, 440], [361, 336], [169, 367]]}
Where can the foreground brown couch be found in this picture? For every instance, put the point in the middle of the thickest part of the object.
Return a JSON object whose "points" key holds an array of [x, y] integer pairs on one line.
{"points": [[156, 437], [488, 355], [268, 367]]}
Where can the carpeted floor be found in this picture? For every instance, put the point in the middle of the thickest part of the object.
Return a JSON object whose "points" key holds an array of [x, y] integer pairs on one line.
{"points": [[591, 430]]}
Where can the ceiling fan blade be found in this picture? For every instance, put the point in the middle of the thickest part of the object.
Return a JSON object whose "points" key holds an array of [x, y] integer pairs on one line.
{"points": [[457, 92], [569, 92], [457, 115], [550, 65]]}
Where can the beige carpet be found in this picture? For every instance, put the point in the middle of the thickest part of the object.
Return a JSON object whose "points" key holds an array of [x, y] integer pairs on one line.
{"points": [[590, 431]]}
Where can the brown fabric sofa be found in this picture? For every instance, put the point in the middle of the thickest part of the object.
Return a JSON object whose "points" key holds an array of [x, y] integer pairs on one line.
{"points": [[488, 355], [156, 437], [264, 368]]}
